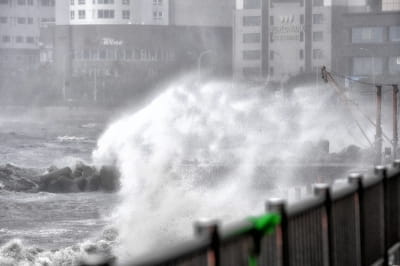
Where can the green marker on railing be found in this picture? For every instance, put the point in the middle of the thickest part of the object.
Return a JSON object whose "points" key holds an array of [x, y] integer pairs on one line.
{"points": [[263, 225]]}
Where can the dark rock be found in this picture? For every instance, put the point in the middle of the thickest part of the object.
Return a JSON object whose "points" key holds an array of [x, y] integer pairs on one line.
{"points": [[93, 183], [62, 185], [83, 170], [81, 183], [14, 178], [52, 177], [109, 178]]}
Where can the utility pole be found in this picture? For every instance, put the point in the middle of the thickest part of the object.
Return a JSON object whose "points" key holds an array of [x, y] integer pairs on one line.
{"points": [[378, 135], [395, 131], [95, 86]]}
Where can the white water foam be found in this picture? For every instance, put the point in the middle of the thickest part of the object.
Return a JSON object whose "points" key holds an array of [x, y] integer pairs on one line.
{"points": [[195, 150]]}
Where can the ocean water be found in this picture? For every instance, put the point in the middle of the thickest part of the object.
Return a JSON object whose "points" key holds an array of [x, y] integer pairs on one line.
{"points": [[45, 228]]}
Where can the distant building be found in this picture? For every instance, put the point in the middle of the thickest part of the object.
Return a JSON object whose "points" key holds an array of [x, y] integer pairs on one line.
{"points": [[366, 43], [278, 40], [114, 63], [20, 24], [390, 5], [107, 50], [83, 12], [146, 12], [214, 13]]}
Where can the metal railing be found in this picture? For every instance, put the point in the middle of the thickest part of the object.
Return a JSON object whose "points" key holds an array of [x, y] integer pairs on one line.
{"points": [[357, 223]]}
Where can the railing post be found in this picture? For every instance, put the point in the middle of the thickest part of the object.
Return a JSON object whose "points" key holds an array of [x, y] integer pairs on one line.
{"points": [[381, 171], [209, 229], [323, 190], [396, 164], [278, 206], [356, 179]]}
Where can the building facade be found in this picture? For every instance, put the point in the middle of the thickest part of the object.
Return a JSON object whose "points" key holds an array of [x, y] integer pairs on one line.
{"points": [[20, 24], [142, 12], [113, 63], [367, 43], [278, 40], [146, 12]]}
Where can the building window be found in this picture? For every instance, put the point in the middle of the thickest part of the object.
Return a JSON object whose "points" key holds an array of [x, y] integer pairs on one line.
{"points": [[19, 39], [251, 37], [302, 19], [251, 21], [3, 20], [72, 14], [367, 66], [6, 39], [367, 35], [390, 5], [126, 14], [21, 2], [394, 33], [157, 2], [318, 18], [81, 14], [271, 20], [3, 2], [30, 2], [251, 71], [301, 36], [21, 20], [105, 13], [29, 39], [106, 2], [30, 20], [317, 54], [394, 65], [251, 55], [157, 15], [125, 2], [271, 55], [301, 53], [318, 2], [271, 71], [81, 2], [318, 36], [72, 2], [252, 4]]}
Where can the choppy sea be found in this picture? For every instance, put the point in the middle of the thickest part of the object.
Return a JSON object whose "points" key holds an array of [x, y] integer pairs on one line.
{"points": [[38, 139]]}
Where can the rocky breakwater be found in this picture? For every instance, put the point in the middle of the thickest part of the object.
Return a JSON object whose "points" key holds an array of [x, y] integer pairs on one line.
{"points": [[80, 178]]}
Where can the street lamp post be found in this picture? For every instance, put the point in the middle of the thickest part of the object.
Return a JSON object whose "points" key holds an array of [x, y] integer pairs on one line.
{"points": [[199, 60]]}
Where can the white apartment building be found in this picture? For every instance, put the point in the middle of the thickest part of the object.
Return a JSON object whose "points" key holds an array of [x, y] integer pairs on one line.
{"points": [[20, 23], [97, 12], [390, 5], [276, 40]]}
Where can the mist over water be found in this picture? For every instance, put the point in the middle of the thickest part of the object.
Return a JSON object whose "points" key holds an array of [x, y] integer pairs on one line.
{"points": [[195, 151]]}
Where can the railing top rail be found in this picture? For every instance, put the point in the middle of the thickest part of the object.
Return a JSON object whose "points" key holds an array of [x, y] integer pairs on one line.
{"points": [[370, 180], [339, 192], [305, 205]]}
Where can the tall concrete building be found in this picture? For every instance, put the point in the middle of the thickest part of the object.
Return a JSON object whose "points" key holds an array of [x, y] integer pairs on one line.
{"points": [[275, 40], [390, 5], [20, 24], [146, 12], [366, 42], [84, 12]]}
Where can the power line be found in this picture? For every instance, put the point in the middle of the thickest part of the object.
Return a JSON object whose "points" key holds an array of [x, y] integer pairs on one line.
{"points": [[360, 81]]}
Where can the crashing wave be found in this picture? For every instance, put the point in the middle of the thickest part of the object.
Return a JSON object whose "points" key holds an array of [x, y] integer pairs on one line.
{"points": [[17, 253]]}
